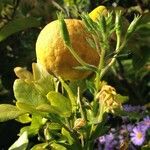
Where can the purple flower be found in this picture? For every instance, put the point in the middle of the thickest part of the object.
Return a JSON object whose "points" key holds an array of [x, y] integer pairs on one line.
{"points": [[137, 136], [130, 108], [126, 128], [102, 139], [107, 142], [111, 142], [145, 124], [146, 121]]}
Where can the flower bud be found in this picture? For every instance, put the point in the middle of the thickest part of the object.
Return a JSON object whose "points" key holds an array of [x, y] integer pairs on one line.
{"points": [[79, 123]]}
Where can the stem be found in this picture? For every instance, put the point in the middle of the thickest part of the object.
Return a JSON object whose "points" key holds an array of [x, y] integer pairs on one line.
{"points": [[81, 61], [80, 105], [100, 68], [100, 118], [113, 59], [96, 44], [101, 65], [72, 97]]}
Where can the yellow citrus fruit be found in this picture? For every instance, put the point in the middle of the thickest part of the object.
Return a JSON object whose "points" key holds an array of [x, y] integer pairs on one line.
{"points": [[53, 54], [97, 12]]}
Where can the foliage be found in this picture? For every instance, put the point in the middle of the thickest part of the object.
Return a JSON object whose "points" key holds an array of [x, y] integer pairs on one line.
{"points": [[71, 115]]}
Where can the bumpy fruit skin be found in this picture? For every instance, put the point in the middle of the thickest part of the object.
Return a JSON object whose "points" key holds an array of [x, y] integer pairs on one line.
{"points": [[97, 12], [53, 54]]}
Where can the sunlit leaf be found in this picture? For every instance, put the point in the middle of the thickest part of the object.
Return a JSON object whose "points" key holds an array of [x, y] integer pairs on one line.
{"points": [[38, 71], [28, 94], [70, 93], [8, 112], [67, 136], [21, 143], [54, 126], [26, 107], [41, 146], [56, 146], [43, 80], [23, 74], [24, 118], [48, 108], [34, 127], [61, 103]]}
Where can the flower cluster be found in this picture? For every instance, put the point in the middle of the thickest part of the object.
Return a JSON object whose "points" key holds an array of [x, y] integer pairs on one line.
{"points": [[128, 135], [107, 96]]}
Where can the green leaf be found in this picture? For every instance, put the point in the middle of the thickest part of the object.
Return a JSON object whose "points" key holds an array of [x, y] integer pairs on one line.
{"points": [[21, 143], [67, 136], [54, 126], [25, 118], [38, 71], [8, 112], [30, 109], [61, 103], [56, 146], [41, 146], [64, 30], [43, 80], [17, 25], [121, 98], [144, 21], [146, 147], [23, 74], [28, 94], [73, 85], [101, 129], [48, 108], [26, 107], [139, 60], [34, 127], [131, 115], [70, 93]]}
